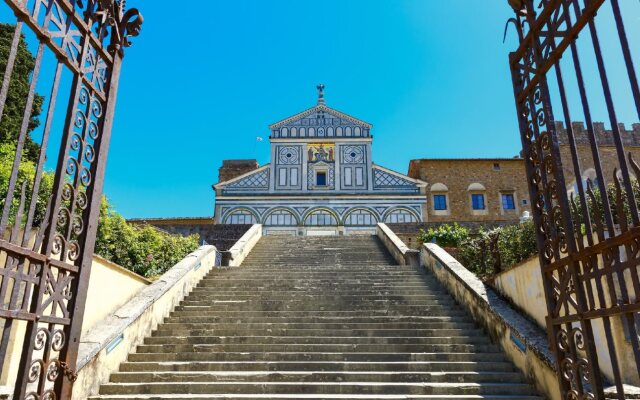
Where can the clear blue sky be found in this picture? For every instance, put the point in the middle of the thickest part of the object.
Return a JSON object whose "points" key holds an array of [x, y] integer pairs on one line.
{"points": [[205, 79]]}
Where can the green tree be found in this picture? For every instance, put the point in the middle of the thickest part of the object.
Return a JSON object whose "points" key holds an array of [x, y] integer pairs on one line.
{"points": [[142, 249], [17, 95], [26, 174]]}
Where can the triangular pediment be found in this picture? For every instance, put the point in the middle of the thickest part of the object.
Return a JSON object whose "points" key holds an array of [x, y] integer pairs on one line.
{"points": [[311, 116]]}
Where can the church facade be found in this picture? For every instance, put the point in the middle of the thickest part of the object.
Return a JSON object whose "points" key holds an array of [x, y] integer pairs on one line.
{"points": [[321, 181]]}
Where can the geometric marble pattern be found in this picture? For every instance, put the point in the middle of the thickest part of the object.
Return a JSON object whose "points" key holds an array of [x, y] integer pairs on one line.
{"points": [[258, 180]]}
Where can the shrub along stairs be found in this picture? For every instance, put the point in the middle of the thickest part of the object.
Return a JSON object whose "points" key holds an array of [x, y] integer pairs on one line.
{"points": [[318, 318]]}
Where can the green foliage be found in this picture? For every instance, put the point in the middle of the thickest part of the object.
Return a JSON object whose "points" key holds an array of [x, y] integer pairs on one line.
{"points": [[445, 235], [26, 174], [595, 202], [143, 250], [489, 252], [18, 93]]}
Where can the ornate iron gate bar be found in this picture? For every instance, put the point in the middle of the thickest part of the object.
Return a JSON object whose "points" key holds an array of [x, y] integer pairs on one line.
{"points": [[47, 258], [590, 278]]}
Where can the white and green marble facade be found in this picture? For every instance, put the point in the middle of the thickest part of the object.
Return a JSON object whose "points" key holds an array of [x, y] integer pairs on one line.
{"points": [[321, 180]]}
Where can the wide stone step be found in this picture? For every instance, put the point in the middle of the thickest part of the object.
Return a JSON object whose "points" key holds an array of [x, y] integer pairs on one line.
{"points": [[265, 387], [162, 331], [316, 348], [308, 397], [303, 296], [317, 376], [405, 312], [315, 340], [304, 356], [313, 319], [424, 366], [321, 325], [266, 304]]}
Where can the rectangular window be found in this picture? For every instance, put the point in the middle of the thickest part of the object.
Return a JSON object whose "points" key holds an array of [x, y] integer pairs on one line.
{"points": [[439, 202], [359, 176], [477, 201], [347, 176], [282, 176], [321, 178], [507, 202], [294, 177]]}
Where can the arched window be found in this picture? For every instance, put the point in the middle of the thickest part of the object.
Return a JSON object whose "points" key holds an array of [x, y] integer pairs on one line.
{"points": [[303, 132], [399, 216], [360, 217], [357, 131], [312, 131], [280, 218], [241, 217], [477, 197], [347, 131], [321, 218], [285, 132], [294, 131]]}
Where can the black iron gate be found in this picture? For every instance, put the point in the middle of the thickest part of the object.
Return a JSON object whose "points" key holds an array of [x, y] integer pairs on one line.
{"points": [[588, 232], [46, 249]]}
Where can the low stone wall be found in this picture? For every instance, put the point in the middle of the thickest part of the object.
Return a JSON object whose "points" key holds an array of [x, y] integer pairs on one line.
{"points": [[400, 252], [524, 343], [109, 342], [243, 246]]}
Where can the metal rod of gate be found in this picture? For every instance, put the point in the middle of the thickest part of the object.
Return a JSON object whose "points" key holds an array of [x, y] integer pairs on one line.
{"points": [[47, 232], [588, 244]]}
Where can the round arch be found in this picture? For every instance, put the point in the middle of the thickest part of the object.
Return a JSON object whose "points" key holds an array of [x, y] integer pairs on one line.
{"points": [[281, 213], [360, 216], [241, 215], [400, 214], [323, 217]]}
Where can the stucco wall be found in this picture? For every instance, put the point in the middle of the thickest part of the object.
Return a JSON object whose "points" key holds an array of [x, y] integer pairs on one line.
{"points": [[110, 286], [522, 286]]}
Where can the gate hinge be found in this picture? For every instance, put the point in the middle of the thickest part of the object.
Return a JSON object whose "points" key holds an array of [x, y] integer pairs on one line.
{"points": [[68, 372]]}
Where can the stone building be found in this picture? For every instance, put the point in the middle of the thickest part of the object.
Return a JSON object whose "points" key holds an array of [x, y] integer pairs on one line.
{"points": [[495, 191], [473, 190], [321, 180]]}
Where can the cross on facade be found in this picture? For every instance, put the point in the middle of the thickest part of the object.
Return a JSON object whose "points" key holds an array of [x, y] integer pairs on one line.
{"points": [[320, 88]]}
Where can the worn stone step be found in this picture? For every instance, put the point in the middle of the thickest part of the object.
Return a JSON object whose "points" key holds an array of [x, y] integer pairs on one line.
{"points": [[263, 387], [179, 318], [317, 376], [315, 340], [309, 397], [405, 312], [433, 366], [300, 356], [315, 348], [181, 331], [327, 326]]}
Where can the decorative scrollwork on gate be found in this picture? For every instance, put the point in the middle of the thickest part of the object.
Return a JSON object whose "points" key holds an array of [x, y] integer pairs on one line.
{"points": [[47, 256], [588, 233]]}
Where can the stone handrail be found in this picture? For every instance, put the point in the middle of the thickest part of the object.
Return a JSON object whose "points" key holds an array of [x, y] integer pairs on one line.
{"points": [[243, 246], [108, 343], [524, 343], [400, 252]]}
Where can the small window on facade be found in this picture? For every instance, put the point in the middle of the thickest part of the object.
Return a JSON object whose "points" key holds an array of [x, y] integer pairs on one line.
{"points": [[507, 202], [496, 166], [439, 202], [524, 202], [477, 201], [321, 178]]}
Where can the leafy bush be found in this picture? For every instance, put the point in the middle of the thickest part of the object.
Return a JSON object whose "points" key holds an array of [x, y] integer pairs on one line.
{"points": [[143, 250], [445, 235], [489, 252]]}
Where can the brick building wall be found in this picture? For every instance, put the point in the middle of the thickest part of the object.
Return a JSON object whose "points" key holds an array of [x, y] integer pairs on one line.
{"points": [[459, 179], [234, 168]]}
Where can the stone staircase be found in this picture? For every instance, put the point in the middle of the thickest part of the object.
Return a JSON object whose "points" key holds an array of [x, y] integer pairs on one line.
{"points": [[318, 318]]}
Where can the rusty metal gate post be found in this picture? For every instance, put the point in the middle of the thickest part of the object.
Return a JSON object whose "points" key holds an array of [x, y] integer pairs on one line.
{"points": [[47, 258], [588, 236]]}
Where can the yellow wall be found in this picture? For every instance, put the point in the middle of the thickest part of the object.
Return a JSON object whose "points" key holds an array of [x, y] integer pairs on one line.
{"points": [[110, 286]]}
